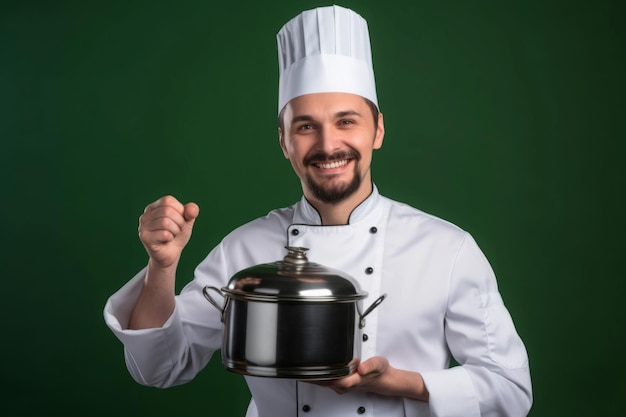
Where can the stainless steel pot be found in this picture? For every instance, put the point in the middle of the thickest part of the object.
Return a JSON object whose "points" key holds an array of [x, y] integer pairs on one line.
{"points": [[291, 319]]}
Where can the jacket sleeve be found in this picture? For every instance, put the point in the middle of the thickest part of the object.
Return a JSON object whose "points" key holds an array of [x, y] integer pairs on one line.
{"points": [[174, 353], [493, 378]]}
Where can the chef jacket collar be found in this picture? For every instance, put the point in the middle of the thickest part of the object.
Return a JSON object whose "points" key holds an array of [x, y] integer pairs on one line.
{"points": [[307, 214]]}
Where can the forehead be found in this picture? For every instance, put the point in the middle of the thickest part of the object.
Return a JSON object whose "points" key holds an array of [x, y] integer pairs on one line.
{"points": [[325, 105]]}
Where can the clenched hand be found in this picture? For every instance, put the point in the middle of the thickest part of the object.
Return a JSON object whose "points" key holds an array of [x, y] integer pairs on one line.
{"points": [[165, 228]]}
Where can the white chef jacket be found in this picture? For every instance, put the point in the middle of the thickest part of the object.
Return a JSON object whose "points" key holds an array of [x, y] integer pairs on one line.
{"points": [[442, 302]]}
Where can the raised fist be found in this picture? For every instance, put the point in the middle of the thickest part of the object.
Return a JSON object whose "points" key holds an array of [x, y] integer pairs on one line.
{"points": [[165, 228]]}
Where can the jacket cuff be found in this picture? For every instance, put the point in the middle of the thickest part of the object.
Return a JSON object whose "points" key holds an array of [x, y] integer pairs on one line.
{"points": [[451, 393]]}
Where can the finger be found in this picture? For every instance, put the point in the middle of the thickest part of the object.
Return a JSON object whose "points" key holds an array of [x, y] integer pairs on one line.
{"points": [[344, 385], [372, 365], [166, 223], [165, 212], [165, 219], [160, 225], [354, 364], [165, 201], [341, 385], [159, 234], [365, 368], [156, 237], [191, 211]]}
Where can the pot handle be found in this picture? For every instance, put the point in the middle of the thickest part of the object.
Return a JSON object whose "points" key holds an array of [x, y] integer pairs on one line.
{"points": [[221, 308], [370, 309]]}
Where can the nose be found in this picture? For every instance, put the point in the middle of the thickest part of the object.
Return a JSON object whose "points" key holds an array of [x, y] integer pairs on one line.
{"points": [[329, 140]]}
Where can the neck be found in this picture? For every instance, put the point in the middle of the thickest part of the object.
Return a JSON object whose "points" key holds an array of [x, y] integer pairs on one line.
{"points": [[339, 213]]}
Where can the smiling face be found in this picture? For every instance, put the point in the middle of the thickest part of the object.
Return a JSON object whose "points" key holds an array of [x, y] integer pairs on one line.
{"points": [[329, 139]]}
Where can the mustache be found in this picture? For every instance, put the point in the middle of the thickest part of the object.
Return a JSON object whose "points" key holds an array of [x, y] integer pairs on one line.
{"points": [[320, 156]]}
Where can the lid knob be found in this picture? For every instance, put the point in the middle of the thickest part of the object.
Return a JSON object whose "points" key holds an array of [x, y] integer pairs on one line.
{"points": [[296, 255]]}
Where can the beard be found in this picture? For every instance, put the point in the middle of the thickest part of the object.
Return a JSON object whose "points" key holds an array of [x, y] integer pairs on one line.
{"points": [[334, 193]]}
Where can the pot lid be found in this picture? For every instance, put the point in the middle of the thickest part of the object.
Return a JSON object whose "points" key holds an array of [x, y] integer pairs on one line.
{"points": [[293, 279]]}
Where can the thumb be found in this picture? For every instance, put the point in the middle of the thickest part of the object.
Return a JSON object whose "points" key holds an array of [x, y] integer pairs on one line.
{"points": [[373, 365], [364, 368], [191, 212]]}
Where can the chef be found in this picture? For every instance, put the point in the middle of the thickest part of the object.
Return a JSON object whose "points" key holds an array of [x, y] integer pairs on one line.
{"points": [[442, 297]]}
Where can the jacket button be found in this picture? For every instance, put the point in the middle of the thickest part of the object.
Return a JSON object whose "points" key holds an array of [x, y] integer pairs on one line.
{"points": [[295, 232], [365, 337], [361, 410], [369, 270], [373, 229], [306, 408]]}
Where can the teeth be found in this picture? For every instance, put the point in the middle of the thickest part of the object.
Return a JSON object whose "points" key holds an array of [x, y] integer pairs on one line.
{"points": [[334, 164]]}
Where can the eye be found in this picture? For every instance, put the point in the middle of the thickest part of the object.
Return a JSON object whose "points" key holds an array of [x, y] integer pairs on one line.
{"points": [[346, 122], [305, 127]]}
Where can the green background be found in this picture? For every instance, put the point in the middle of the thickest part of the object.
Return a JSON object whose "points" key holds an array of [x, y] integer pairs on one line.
{"points": [[506, 118]]}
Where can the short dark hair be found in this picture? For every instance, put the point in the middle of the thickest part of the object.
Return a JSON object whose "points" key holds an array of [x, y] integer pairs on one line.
{"points": [[370, 104]]}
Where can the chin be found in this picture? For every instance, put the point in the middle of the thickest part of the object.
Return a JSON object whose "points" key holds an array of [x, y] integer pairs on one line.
{"points": [[334, 194]]}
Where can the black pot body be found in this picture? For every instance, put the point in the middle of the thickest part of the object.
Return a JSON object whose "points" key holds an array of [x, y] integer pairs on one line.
{"points": [[291, 339]]}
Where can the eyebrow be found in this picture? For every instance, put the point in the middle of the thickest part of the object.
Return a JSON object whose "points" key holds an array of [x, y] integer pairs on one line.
{"points": [[338, 115], [347, 113], [301, 118]]}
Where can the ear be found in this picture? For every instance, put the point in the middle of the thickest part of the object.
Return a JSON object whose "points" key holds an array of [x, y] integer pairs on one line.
{"points": [[380, 132], [281, 141]]}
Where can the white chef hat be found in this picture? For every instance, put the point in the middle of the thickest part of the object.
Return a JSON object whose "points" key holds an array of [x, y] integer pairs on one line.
{"points": [[325, 50]]}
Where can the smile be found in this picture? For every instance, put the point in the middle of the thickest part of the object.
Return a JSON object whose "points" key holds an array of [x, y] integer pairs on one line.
{"points": [[333, 164]]}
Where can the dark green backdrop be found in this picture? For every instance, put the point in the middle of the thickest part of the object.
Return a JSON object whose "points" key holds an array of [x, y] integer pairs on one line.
{"points": [[506, 118]]}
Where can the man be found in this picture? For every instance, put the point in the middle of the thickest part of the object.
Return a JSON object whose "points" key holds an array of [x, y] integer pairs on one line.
{"points": [[442, 297]]}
